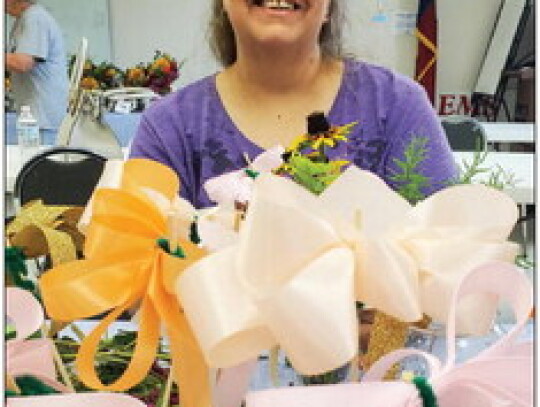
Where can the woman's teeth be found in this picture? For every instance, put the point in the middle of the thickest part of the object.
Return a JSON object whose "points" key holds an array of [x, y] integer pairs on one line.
{"points": [[277, 4]]}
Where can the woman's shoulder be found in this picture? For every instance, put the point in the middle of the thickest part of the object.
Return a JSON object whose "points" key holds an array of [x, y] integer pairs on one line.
{"points": [[381, 78]]}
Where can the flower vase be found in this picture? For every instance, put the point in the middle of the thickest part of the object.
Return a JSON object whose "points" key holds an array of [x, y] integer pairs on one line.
{"points": [[335, 376]]}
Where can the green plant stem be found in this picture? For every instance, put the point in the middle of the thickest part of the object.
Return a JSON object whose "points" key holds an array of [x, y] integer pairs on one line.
{"points": [[105, 355], [166, 395]]}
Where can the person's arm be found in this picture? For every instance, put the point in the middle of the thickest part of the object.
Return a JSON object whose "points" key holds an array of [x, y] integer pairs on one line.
{"points": [[19, 62], [32, 44], [413, 116]]}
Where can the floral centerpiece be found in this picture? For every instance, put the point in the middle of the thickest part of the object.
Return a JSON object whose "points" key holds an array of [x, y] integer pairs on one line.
{"points": [[102, 76], [157, 75], [308, 249]]}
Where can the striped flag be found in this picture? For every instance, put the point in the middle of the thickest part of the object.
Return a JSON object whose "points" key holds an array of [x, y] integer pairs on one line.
{"points": [[426, 32]]}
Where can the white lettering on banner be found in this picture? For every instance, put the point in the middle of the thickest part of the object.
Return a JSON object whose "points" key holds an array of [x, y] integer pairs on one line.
{"points": [[454, 104]]}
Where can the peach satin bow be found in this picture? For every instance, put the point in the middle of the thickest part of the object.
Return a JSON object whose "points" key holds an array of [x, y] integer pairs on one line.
{"points": [[125, 266]]}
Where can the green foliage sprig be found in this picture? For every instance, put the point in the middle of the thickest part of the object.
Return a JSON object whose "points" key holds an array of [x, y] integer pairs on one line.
{"points": [[497, 177], [112, 359], [408, 179]]}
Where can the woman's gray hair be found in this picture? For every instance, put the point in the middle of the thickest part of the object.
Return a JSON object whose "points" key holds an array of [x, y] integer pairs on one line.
{"points": [[223, 43]]}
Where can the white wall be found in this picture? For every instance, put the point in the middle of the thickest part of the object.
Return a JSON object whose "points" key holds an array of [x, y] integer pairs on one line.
{"points": [[178, 27], [465, 28]]}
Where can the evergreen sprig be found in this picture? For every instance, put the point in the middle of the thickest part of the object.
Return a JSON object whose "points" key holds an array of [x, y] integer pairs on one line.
{"points": [[497, 177], [408, 179]]}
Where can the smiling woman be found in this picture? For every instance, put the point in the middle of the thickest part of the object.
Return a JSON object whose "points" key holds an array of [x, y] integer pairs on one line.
{"points": [[282, 60], [223, 42]]}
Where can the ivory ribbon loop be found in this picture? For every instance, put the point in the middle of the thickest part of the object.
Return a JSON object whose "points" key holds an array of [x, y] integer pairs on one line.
{"points": [[423, 250], [125, 266], [500, 375], [271, 288]]}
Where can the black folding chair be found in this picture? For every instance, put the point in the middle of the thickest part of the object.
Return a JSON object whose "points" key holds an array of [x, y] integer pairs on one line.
{"points": [[59, 176]]}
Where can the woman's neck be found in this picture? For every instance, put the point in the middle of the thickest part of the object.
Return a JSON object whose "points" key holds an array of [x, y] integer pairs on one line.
{"points": [[277, 72]]}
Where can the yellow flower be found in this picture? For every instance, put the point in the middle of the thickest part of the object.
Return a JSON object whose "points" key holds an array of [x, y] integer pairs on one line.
{"points": [[297, 141], [89, 83], [110, 72], [334, 135]]}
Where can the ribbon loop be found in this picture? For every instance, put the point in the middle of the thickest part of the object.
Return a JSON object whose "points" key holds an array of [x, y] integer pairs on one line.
{"points": [[28, 356]]}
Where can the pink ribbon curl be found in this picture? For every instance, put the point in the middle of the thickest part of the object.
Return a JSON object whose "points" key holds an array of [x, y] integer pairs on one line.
{"points": [[28, 356], [34, 357], [500, 375]]}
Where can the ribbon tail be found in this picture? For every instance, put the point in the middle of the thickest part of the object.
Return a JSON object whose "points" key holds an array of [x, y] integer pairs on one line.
{"points": [[143, 355], [189, 368], [188, 364]]}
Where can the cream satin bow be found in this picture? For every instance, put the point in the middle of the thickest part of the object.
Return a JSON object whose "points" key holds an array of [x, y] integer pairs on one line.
{"points": [[28, 356], [500, 375], [302, 261]]}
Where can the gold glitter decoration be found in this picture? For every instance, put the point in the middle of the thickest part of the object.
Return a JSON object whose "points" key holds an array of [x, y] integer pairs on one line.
{"points": [[387, 334], [47, 230]]}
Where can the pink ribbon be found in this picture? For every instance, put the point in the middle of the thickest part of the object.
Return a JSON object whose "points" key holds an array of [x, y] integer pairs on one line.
{"points": [[237, 185], [77, 400], [500, 375], [28, 357], [34, 357]]}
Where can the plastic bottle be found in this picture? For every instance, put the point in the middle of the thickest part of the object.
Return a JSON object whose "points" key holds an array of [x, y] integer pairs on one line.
{"points": [[27, 134]]}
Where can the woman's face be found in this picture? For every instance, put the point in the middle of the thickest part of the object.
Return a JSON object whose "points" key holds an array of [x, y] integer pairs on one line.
{"points": [[277, 22]]}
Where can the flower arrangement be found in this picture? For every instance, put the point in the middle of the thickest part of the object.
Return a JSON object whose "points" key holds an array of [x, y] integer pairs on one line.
{"points": [[154, 228], [306, 160], [157, 75], [102, 76]]}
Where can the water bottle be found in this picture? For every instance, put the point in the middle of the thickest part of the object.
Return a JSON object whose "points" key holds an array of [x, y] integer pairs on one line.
{"points": [[27, 134]]}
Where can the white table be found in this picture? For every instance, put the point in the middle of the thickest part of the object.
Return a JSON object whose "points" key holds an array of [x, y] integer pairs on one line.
{"points": [[261, 379], [521, 165], [500, 132]]}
